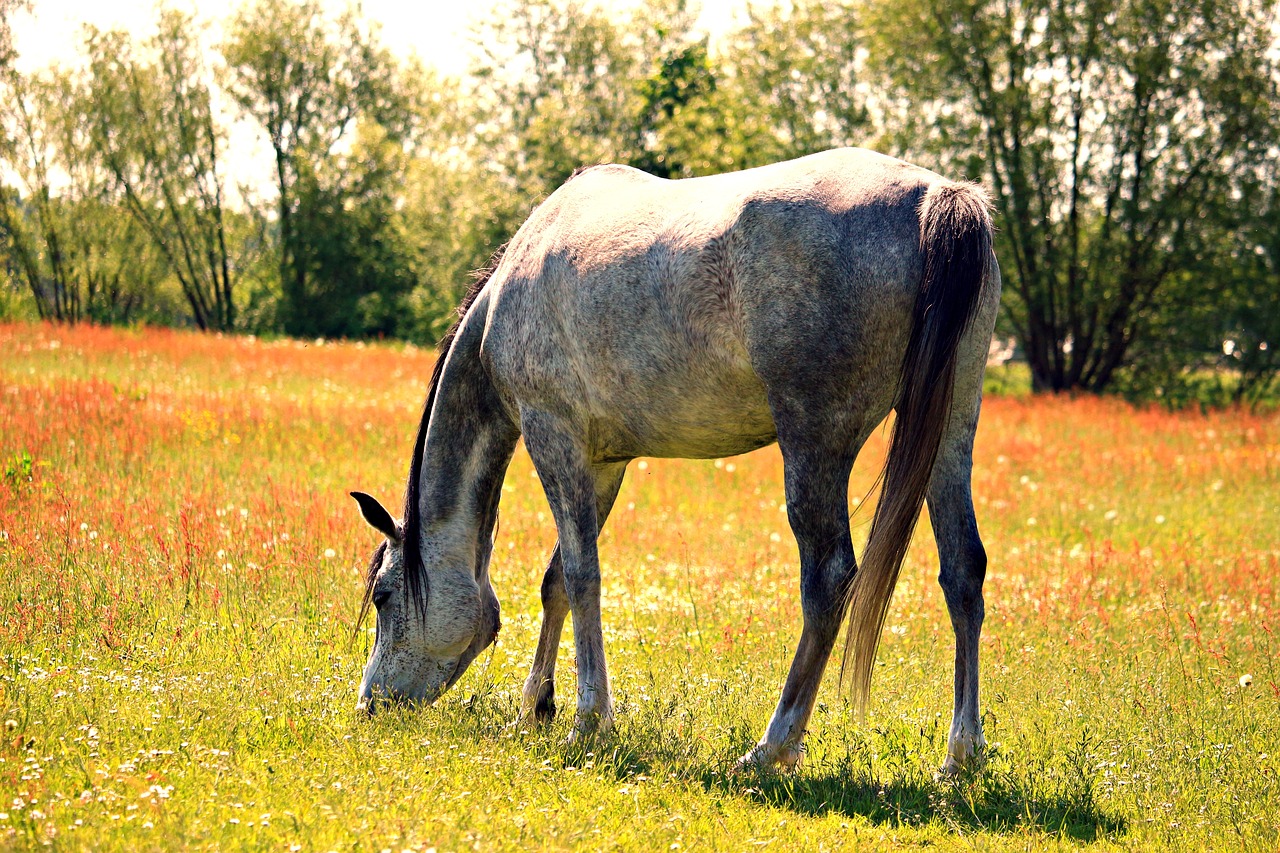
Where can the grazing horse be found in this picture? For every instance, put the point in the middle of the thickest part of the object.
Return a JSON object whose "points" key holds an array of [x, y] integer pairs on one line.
{"points": [[634, 316]]}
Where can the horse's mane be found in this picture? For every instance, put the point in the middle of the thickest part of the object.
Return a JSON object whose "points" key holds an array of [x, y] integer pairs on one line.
{"points": [[414, 572]]}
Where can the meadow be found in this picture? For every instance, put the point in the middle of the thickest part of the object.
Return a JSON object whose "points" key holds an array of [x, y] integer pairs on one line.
{"points": [[180, 575]]}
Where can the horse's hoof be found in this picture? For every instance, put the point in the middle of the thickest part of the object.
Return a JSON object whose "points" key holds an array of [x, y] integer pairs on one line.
{"points": [[529, 723], [537, 705], [955, 767], [765, 759], [590, 727], [789, 759], [540, 716]]}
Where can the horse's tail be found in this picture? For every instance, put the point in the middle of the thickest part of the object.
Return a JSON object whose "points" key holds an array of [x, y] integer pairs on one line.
{"points": [[955, 241]]}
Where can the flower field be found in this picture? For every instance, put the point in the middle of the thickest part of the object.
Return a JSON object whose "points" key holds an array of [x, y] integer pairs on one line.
{"points": [[180, 574]]}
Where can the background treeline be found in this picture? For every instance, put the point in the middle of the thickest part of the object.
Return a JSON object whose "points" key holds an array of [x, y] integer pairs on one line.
{"points": [[1130, 147]]}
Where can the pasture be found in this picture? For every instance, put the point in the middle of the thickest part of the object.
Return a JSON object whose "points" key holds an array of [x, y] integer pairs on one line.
{"points": [[180, 572]]}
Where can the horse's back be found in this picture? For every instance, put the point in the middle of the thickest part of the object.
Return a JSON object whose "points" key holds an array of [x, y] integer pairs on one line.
{"points": [[670, 317]]}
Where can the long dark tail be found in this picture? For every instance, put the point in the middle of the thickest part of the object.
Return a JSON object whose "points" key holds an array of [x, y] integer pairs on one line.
{"points": [[955, 240]]}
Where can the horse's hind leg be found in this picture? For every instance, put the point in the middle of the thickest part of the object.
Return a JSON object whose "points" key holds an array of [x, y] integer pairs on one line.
{"points": [[963, 566], [816, 465], [538, 703]]}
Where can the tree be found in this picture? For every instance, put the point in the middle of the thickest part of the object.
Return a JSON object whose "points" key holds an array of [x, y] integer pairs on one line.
{"points": [[586, 87], [351, 241], [1102, 127], [309, 81], [1251, 339], [456, 211], [62, 227], [155, 131], [1233, 329], [801, 67], [787, 84], [555, 88], [7, 10]]}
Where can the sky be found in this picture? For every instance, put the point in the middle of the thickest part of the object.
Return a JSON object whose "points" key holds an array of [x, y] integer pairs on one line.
{"points": [[436, 30]]}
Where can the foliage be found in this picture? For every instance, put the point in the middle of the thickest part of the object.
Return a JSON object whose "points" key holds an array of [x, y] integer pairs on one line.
{"points": [[1128, 146], [19, 469], [582, 87], [454, 215], [154, 131], [1227, 317], [76, 250], [178, 663], [556, 81], [1108, 128], [358, 264], [785, 85], [1252, 300], [310, 81], [799, 71], [7, 10]]}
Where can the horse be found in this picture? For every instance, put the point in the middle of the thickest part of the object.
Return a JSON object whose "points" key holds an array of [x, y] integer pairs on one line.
{"points": [[635, 316]]}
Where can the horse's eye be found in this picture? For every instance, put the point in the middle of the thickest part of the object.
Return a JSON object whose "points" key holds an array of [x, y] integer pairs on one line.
{"points": [[380, 598]]}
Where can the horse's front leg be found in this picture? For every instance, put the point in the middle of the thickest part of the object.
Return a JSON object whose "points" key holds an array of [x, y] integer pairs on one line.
{"points": [[817, 483], [577, 492], [538, 703]]}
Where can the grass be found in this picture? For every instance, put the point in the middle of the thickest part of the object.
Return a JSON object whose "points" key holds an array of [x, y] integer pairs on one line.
{"points": [[1011, 379], [179, 574]]}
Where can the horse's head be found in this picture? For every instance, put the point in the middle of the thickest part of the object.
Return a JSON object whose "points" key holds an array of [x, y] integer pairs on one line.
{"points": [[424, 641]]}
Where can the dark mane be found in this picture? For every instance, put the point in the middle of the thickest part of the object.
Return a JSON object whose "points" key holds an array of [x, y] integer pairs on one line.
{"points": [[416, 583]]}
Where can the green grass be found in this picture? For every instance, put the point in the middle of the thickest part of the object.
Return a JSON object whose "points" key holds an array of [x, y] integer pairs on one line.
{"points": [[179, 574], [1011, 379]]}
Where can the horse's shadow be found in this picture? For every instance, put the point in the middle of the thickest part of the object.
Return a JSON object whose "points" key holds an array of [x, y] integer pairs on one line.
{"points": [[1005, 796], [995, 798], [988, 801]]}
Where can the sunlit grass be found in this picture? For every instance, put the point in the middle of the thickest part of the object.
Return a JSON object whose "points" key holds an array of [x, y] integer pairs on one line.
{"points": [[179, 574]]}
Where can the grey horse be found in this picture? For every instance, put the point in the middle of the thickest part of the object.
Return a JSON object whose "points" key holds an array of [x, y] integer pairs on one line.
{"points": [[633, 316]]}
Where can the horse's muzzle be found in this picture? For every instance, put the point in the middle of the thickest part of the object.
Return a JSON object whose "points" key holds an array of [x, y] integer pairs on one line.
{"points": [[373, 699]]}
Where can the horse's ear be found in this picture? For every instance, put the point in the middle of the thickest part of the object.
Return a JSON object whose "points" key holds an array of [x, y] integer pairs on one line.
{"points": [[379, 519]]}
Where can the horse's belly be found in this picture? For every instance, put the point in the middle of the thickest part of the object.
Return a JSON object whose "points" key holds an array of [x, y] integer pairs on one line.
{"points": [[700, 415]]}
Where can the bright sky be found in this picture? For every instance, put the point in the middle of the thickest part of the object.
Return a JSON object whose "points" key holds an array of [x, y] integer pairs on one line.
{"points": [[437, 30]]}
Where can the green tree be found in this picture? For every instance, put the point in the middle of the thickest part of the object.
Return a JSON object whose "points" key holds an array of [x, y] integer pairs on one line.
{"points": [[1230, 329], [9, 8], [310, 81], [554, 83], [684, 76], [456, 209], [351, 242], [788, 83], [156, 133], [588, 87], [62, 227], [1102, 127], [1251, 339], [801, 67]]}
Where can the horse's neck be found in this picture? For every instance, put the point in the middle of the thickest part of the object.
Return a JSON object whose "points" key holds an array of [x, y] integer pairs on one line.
{"points": [[469, 443]]}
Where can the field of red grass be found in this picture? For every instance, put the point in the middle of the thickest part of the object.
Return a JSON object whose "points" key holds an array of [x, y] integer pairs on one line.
{"points": [[173, 510]]}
